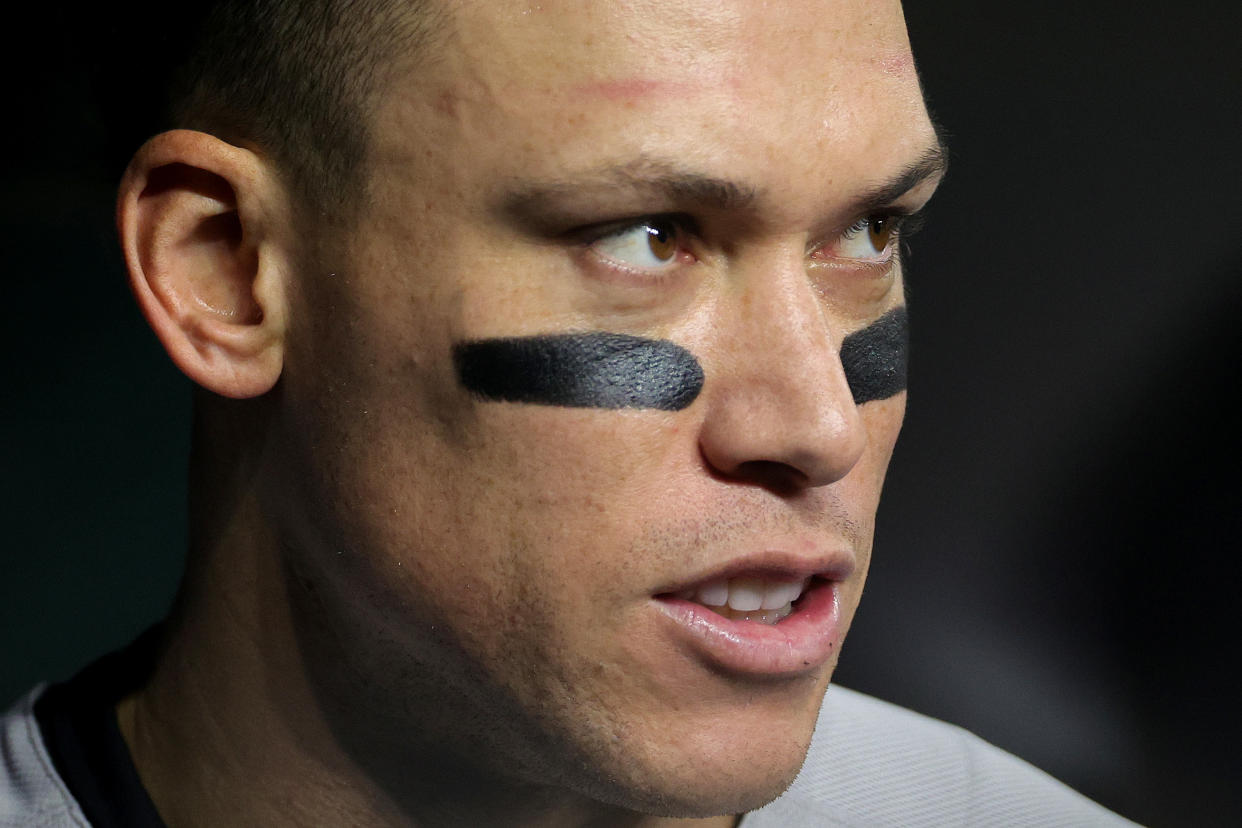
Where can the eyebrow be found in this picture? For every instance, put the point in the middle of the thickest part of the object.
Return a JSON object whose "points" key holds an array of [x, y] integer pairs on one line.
{"points": [[932, 163], [547, 204], [643, 179]]}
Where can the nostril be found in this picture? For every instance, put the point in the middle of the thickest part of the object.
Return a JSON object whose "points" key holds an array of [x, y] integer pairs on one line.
{"points": [[779, 478]]}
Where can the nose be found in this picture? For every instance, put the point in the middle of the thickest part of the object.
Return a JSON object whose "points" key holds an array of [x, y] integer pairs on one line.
{"points": [[779, 409]]}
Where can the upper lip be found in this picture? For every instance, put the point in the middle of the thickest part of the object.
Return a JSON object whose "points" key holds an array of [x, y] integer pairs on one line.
{"points": [[836, 565]]}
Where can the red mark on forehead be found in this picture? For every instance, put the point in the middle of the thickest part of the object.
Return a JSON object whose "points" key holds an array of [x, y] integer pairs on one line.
{"points": [[895, 63], [630, 88]]}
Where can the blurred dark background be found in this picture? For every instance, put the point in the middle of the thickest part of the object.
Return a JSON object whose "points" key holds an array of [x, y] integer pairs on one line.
{"points": [[1058, 557]]}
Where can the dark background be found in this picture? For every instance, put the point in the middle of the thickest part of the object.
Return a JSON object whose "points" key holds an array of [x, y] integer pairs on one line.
{"points": [[1057, 565]]}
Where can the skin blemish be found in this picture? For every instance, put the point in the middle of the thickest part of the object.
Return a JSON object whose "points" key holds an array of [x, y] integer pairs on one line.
{"points": [[446, 103], [875, 358], [630, 89], [896, 64], [581, 370]]}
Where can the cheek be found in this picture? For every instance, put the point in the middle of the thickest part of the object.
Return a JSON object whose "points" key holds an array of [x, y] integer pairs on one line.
{"points": [[574, 474], [526, 494], [882, 420], [523, 542]]}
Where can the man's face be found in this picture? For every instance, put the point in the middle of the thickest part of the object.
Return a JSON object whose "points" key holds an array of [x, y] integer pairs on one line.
{"points": [[522, 583]]}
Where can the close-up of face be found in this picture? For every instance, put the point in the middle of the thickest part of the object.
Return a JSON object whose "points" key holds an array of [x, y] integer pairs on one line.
{"points": [[582, 429]]}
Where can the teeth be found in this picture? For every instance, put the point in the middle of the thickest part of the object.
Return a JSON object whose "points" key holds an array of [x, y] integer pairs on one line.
{"points": [[714, 594], [779, 595], [746, 594], [749, 598]]}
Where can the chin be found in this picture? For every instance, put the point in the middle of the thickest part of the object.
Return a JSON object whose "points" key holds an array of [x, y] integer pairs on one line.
{"points": [[700, 792], [703, 775]]}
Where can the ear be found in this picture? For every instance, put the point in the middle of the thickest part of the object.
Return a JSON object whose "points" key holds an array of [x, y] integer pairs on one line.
{"points": [[200, 222]]}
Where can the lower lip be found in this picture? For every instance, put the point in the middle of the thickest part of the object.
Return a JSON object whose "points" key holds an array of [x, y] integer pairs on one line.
{"points": [[800, 643]]}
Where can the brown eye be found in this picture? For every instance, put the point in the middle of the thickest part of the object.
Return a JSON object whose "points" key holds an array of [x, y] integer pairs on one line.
{"points": [[880, 230], [871, 239], [662, 240]]}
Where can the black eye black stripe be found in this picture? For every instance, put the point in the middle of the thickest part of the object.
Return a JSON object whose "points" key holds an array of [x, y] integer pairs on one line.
{"points": [[610, 370], [876, 358], [585, 370]]}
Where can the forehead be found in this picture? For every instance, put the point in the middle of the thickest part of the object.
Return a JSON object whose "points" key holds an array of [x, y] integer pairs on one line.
{"points": [[683, 37], [734, 84]]}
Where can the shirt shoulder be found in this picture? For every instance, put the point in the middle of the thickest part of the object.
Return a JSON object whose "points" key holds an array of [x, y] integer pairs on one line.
{"points": [[32, 794], [872, 763]]}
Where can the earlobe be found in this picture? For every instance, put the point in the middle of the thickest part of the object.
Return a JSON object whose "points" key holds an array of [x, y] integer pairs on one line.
{"points": [[199, 222]]}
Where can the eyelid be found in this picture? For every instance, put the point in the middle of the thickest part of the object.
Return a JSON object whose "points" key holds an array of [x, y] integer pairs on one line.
{"points": [[591, 233]]}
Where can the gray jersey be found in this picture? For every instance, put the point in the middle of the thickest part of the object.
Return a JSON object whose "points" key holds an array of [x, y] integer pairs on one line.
{"points": [[874, 764], [32, 794]]}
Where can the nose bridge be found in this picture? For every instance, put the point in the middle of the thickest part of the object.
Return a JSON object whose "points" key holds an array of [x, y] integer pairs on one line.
{"points": [[780, 396]]}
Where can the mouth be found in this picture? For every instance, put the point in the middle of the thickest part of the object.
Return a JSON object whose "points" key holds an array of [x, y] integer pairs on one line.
{"points": [[763, 600], [765, 616]]}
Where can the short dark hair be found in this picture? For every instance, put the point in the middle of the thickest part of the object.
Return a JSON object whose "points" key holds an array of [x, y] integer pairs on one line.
{"points": [[296, 79]]}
